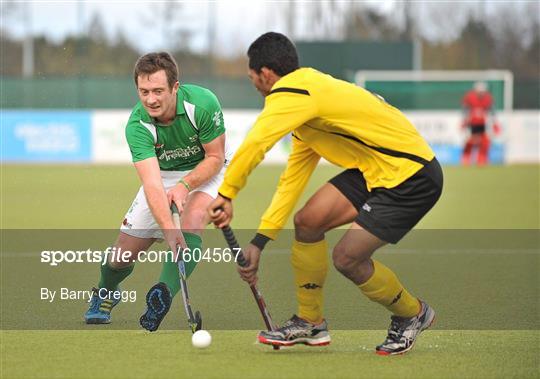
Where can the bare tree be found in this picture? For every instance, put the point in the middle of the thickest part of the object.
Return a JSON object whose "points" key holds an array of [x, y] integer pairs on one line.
{"points": [[16, 13], [96, 29], [363, 22], [440, 21], [515, 29], [169, 16]]}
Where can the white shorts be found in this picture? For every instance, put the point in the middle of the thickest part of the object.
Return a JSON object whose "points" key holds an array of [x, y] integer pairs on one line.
{"points": [[139, 221]]}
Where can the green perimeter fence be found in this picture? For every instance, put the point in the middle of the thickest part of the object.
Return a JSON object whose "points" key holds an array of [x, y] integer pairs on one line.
{"points": [[114, 92]]}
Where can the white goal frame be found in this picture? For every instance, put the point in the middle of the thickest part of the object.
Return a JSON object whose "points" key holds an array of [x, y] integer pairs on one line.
{"points": [[505, 76]]}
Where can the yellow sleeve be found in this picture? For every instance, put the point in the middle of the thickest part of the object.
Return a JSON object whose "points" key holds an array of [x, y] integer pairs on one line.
{"points": [[302, 161], [283, 112]]}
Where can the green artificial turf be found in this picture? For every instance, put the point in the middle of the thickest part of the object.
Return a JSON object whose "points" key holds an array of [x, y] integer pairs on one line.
{"points": [[97, 197], [472, 258], [233, 354]]}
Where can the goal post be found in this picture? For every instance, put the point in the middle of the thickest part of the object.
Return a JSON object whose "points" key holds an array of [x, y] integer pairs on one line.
{"points": [[438, 89], [432, 102]]}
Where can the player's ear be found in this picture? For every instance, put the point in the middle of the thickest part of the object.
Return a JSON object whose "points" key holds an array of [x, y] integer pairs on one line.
{"points": [[269, 76], [175, 87], [266, 73]]}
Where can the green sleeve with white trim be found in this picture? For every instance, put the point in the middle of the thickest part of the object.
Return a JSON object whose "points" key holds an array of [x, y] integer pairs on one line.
{"points": [[209, 119], [139, 139]]}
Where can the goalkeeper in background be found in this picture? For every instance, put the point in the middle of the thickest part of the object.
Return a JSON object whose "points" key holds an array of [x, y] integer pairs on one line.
{"points": [[391, 179], [477, 108]]}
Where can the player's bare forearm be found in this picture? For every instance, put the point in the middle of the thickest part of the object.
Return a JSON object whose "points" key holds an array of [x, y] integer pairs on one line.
{"points": [[148, 171], [214, 158], [159, 206], [205, 170]]}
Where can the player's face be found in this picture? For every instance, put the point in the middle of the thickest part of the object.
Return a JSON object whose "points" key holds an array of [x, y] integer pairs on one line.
{"points": [[156, 96], [260, 82]]}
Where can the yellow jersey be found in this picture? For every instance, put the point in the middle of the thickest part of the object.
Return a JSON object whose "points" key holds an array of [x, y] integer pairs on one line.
{"points": [[330, 118]]}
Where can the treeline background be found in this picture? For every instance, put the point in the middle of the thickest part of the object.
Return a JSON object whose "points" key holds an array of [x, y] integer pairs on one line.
{"points": [[452, 36]]}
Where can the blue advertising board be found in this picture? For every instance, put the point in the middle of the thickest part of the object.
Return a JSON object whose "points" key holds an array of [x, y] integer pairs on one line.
{"points": [[45, 136]]}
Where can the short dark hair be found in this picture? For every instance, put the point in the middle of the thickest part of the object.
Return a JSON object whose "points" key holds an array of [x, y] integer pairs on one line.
{"points": [[274, 51], [153, 62]]}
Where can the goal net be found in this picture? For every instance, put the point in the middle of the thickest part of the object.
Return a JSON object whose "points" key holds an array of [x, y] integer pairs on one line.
{"points": [[436, 90]]}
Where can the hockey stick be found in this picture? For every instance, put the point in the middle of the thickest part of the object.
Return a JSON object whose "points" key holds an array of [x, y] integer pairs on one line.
{"points": [[194, 321], [240, 259]]}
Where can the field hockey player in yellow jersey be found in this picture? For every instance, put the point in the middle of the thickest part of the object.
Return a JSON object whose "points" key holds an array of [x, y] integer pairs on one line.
{"points": [[391, 179]]}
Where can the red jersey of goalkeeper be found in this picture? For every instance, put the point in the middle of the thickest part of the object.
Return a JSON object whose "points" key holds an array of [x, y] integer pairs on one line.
{"points": [[477, 105]]}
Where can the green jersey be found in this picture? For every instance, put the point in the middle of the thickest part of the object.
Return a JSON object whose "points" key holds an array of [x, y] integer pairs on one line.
{"points": [[178, 146]]}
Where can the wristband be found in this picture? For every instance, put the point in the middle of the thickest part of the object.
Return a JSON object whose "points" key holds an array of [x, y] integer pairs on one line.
{"points": [[188, 187], [260, 240]]}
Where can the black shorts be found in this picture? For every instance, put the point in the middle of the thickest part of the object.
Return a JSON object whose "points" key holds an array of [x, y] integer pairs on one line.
{"points": [[478, 128], [389, 214]]}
